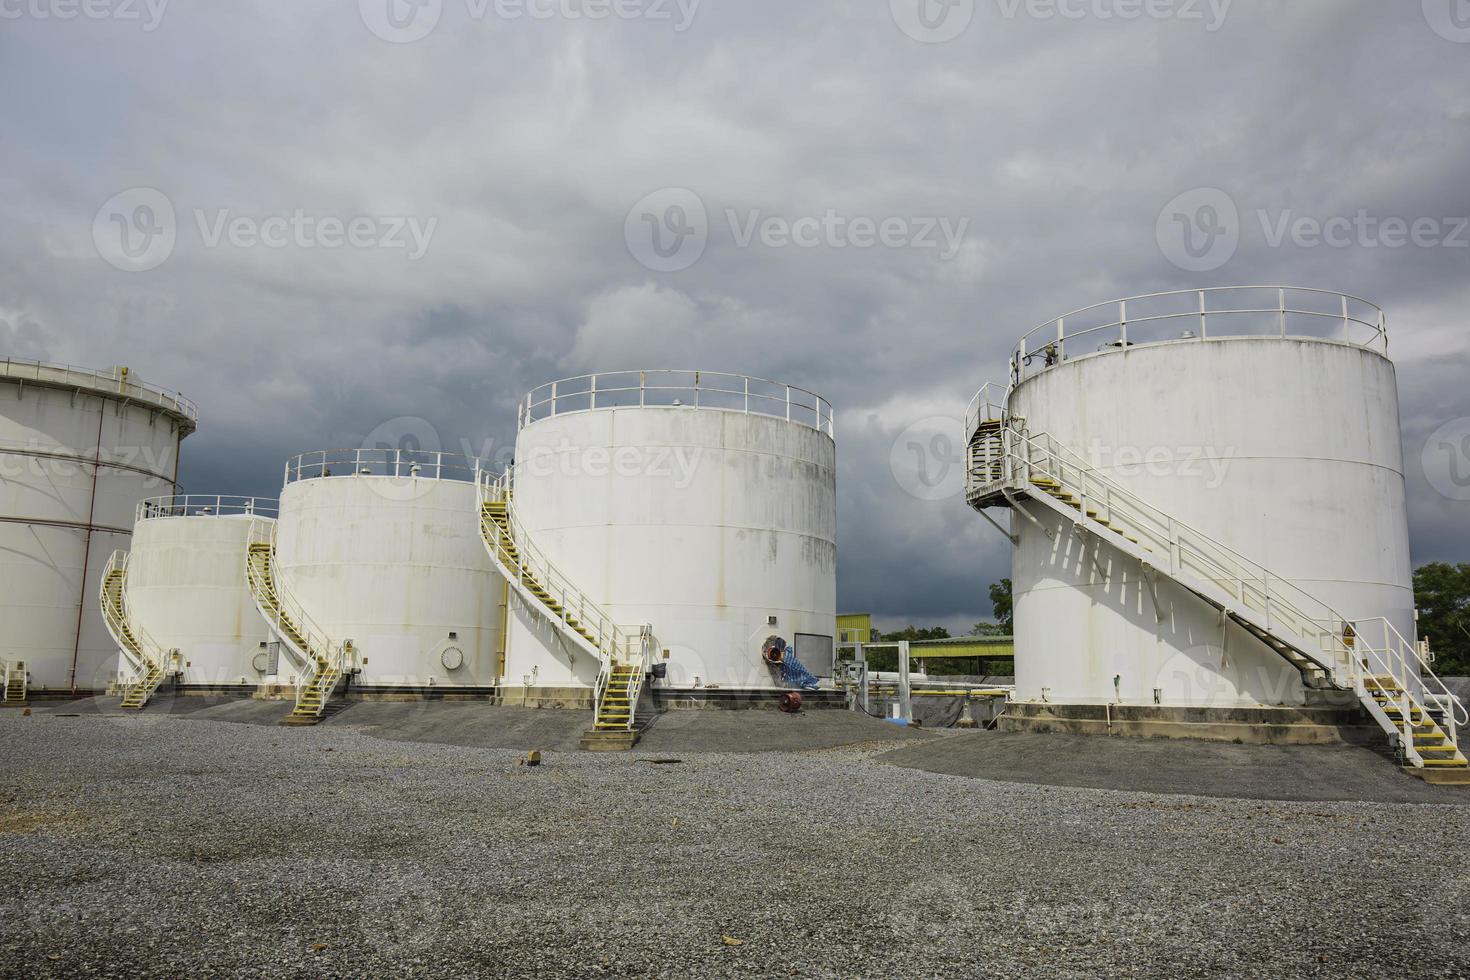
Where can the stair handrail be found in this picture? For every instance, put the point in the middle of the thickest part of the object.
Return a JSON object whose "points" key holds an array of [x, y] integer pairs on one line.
{"points": [[610, 638], [149, 653], [1413, 674], [288, 612], [1252, 584]]}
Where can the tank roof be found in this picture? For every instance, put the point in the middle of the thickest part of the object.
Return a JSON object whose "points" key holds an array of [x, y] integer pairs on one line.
{"points": [[117, 383]]}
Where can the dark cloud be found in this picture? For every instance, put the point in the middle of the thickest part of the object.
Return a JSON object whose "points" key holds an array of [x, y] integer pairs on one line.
{"points": [[1057, 140]]}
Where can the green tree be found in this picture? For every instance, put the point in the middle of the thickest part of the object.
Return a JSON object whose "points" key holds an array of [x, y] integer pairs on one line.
{"points": [[986, 628], [1442, 593], [1000, 602]]}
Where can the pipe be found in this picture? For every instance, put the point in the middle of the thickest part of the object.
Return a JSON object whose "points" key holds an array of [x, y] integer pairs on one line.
{"points": [[87, 545]]}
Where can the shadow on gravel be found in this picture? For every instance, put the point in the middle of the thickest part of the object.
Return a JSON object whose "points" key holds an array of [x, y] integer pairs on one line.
{"points": [[1176, 766]]}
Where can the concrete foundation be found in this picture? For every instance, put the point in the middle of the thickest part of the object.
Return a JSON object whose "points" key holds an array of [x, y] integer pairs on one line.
{"points": [[1284, 725]]}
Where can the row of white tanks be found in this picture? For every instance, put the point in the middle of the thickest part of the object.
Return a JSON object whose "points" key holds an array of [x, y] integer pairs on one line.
{"points": [[700, 504]]}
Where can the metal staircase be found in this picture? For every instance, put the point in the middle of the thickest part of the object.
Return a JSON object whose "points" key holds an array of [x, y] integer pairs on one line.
{"points": [[1009, 467], [624, 653], [323, 662], [151, 663], [15, 683]]}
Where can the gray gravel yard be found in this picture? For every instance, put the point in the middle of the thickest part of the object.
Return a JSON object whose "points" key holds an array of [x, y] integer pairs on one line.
{"points": [[173, 845]]}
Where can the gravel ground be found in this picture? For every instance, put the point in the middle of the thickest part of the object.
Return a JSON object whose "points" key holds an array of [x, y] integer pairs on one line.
{"points": [[168, 845]]}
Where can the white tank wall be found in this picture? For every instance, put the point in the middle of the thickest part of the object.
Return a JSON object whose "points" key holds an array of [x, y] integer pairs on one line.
{"points": [[701, 522], [42, 577], [1287, 451], [187, 586], [395, 565]]}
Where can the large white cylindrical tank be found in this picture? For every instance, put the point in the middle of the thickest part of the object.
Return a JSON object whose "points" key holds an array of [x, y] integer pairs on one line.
{"points": [[383, 548], [1275, 433], [701, 504], [187, 587], [79, 449]]}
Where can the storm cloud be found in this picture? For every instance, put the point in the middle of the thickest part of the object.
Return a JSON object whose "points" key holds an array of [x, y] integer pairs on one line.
{"points": [[871, 200]]}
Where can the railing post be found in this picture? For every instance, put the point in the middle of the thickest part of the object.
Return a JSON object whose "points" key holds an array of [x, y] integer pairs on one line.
{"points": [[592, 403], [1204, 330], [1281, 302], [696, 389], [553, 398], [788, 403], [1346, 335], [1123, 324], [1061, 339], [747, 396], [642, 388]]}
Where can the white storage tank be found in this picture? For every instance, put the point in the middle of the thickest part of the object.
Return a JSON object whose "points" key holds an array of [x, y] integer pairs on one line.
{"points": [[699, 503], [1265, 418], [80, 448], [187, 588], [383, 548]]}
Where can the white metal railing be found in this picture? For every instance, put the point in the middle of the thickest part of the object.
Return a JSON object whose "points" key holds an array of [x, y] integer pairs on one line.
{"points": [[403, 463], [15, 672], [196, 505], [131, 638], [989, 404], [1184, 549], [663, 387], [613, 642], [1338, 645], [113, 381], [1198, 314], [1386, 653], [287, 617]]}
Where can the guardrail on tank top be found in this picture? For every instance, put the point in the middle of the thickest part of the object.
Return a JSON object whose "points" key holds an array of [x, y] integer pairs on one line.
{"points": [[115, 381], [197, 505], [1284, 312], [401, 463], [669, 388]]}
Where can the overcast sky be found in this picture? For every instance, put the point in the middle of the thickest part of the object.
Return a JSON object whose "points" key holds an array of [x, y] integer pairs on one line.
{"points": [[390, 220]]}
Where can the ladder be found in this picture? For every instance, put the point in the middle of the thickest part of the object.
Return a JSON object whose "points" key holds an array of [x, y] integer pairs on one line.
{"points": [[624, 654], [150, 662], [1007, 465], [323, 662]]}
